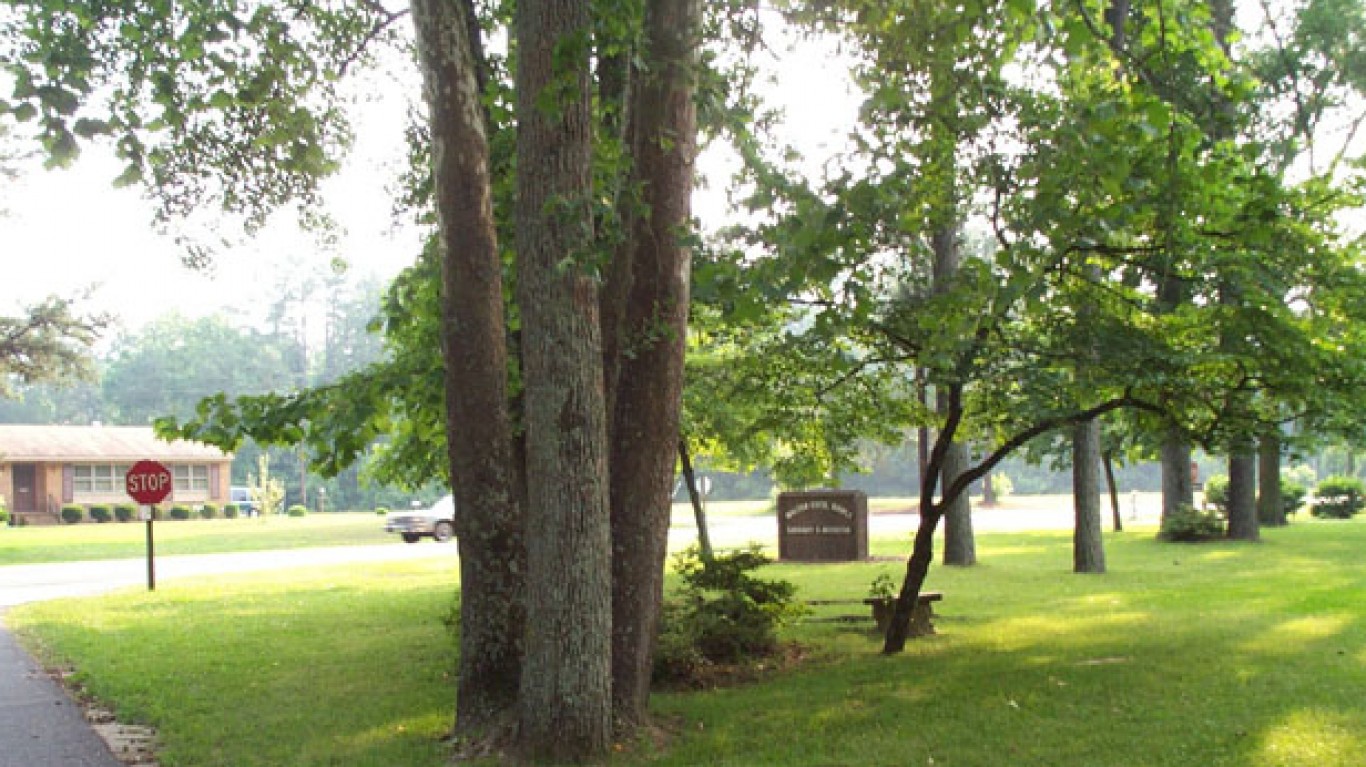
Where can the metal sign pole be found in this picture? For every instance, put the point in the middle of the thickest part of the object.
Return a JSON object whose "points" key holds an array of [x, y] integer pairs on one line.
{"points": [[151, 552]]}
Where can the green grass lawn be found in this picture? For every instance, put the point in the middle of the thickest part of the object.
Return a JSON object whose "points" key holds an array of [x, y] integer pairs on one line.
{"points": [[1184, 655], [123, 540]]}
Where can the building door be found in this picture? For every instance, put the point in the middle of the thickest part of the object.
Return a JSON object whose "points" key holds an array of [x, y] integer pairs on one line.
{"points": [[25, 487]]}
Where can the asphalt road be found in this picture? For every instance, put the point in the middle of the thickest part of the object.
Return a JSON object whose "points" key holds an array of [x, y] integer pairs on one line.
{"points": [[32, 583]]}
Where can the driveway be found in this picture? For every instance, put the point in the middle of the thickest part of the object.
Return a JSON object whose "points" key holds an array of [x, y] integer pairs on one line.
{"points": [[33, 583]]}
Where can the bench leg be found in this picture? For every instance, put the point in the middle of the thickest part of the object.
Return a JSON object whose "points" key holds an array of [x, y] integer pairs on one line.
{"points": [[922, 620]]}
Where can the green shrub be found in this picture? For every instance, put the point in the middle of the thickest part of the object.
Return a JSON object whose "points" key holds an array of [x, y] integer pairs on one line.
{"points": [[297, 510], [4, 515], [1216, 492], [1190, 524], [71, 513], [722, 614], [230, 511], [382, 511], [100, 513], [1339, 497], [180, 512], [208, 510], [125, 512], [1292, 496]]}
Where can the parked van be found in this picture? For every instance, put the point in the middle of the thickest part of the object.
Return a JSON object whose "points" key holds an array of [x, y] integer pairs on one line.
{"points": [[241, 497]]}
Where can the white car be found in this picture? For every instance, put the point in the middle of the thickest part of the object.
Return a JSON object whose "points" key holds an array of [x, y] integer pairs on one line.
{"points": [[437, 522]]}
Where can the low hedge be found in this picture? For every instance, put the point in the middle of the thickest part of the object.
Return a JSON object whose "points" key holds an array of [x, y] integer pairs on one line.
{"points": [[71, 513], [1339, 498], [100, 513], [125, 512]]}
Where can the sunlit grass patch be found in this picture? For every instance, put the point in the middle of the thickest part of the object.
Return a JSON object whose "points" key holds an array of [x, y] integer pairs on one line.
{"points": [[1312, 737]]}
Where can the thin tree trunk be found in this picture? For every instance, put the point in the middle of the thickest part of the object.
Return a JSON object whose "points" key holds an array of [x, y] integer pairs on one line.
{"points": [[960, 545], [653, 335], [565, 711], [1177, 488], [486, 484], [1242, 501], [1270, 504], [699, 511], [1117, 519], [1088, 544], [988, 491]]}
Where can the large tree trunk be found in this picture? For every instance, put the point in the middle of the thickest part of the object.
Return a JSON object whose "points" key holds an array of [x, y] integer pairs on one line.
{"points": [[566, 700], [1177, 488], [1242, 503], [482, 468], [1088, 544], [1270, 505], [649, 387]]}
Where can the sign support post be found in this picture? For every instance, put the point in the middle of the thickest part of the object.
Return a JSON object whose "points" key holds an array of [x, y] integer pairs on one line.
{"points": [[148, 483], [151, 553]]}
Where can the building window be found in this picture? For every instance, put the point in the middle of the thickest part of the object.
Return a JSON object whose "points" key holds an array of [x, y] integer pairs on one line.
{"points": [[98, 478], [190, 478]]}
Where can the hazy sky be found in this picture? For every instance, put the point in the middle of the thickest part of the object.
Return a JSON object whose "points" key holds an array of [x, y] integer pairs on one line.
{"points": [[66, 232]]}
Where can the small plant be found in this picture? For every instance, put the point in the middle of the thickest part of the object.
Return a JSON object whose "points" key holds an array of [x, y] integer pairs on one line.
{"points": [[882, 587], [297, 510], [382, 511], [125, 512], [4, 515], [180, 512], [208, 510], [71, 513], [230, 511], [100, 513], [1191, 524], [723, 613], [266, 491], [1339, 498]]}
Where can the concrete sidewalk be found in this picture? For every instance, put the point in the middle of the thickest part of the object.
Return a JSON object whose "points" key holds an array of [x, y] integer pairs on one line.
{"points": [[40, 726]]}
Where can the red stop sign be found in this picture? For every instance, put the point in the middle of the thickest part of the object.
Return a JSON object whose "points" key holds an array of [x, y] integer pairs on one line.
{"points": [[148, 482]]}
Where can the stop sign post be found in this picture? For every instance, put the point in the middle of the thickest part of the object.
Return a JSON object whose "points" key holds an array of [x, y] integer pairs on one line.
{"points": [[148, 482]]}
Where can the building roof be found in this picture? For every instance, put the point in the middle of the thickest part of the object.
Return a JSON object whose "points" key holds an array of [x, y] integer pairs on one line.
{"points": [[24, 442]]}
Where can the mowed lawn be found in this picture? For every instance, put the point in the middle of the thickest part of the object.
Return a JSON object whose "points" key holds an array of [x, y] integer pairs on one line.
{"points": [[125, 540], [1184, 655]]}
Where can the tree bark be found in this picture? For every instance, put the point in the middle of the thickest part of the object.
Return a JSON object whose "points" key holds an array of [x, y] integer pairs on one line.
{"points": [[653, 335], [1242, 505], [565, 701], [960, 545], [478, 431], [1270, 504], [1177, 488], [988, 491], [1088, 543]]}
